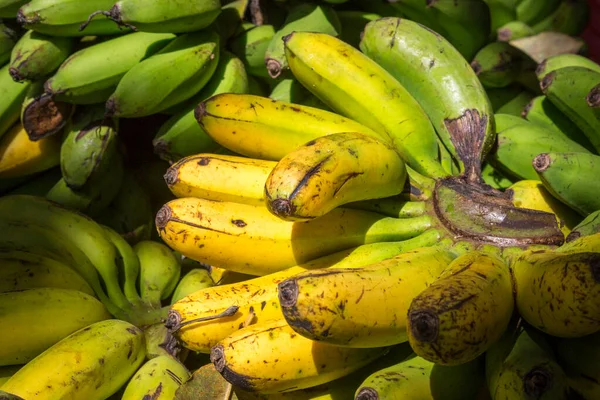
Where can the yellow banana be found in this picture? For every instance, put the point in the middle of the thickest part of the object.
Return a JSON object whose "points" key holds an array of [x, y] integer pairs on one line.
{"points": [[463, 312], [331, 171], [267, 129], [360, 307], [19, 156], [159, 378], [271, 358], [220, 177], [249, 239], [35, 319], [194, 319], [581, 244], [559, 292], [92, 364], [532, 194]]}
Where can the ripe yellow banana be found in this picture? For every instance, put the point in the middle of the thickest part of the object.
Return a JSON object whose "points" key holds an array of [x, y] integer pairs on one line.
{"points": [[271, 358], [463, 312], [158, 379], [220, 177], [559, 292], [267, 129], [35, 319], [92, 363], [360, 307], [251, 240], [331, 171], [194, 319]]}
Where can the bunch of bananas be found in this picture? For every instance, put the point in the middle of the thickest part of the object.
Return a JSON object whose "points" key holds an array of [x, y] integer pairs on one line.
{"points": [[312, 199]]}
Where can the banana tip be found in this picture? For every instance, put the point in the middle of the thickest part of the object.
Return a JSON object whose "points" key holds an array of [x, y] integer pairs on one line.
{"points": [[23, 20], [14, 74], [281, 207], [200, 112], [162, 217], [367, 393], [593, 97], [171, 177], [541, 162], [424, 326], [476, 67], [546, 81], [504, 34], [217, 357], [537, 381], [274, 68], [288, 293], [539, 70], [287, 37], [173, 320]]}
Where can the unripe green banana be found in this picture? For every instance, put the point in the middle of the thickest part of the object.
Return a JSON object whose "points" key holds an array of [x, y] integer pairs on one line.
{"points": [[505, 121], [569, 176], [304, 17], [365, 92], [516, 105], [161, 17], [567, 89], [353, 23], [395, 206], [8, 38], [159, 271], [564, 60], [157, 337], [292, 91], [570, 18], [91, 75], [533, 11], [514, 30], [64, 17], [517, 146], [230, 19], [181, 135], [12, 94], [9, 8], [194, 280], [589, 226], [36, 55], [39, 184], [579, 358], [501, 12], [173, 75], [331, 171], [251, 45], [500, 96], [159, 378], [74, 309], [494, 177], [92, 363], [444, 85], [41, 115]]}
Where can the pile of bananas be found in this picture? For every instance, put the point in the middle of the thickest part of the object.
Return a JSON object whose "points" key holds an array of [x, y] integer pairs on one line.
{"points": [[282, 199]]}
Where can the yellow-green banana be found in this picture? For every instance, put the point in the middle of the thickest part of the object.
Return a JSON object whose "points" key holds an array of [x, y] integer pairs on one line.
{"points": [[565, 60], [193, 281], [12, 94], [495, 178], [516, 105], [395, 206], [570, 17], [156, 340], [250, 46], [331, 171], [514, 30], [159, 271], [6, 372], [91, 363], [9, 8], [159, 378], [589, 226], [292, 91]]}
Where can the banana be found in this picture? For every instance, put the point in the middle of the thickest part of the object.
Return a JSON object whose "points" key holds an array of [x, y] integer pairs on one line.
{"points": [[365, 92], [444, 85], [519, 145], [230, 19], [586, 243], [501, 96], [158, 16], [159, 271], [176, 73], [579, 357], [91, 363], [157, 336], [37, 184], [514, 30], [521, 365], [21, 270], [19, 156], [532, 11], [303, 17], [352, 23], [456, 318], [41, 115], [501, 12], [505, 121], [266, 129], [564, 60], [90, 75], [8, 38], [251, 45], [159, 378], [35, 56], [532, 194], [557, 292], [235, 236], [495, 178], [5, 374], [331, 171], [341, 307], [541, 111], [45, 306], [292, 91], [220, 177], [516, 105], [395, 206], [568, 176], [287, 361], [64, 17], [417, 378], [181, 135], [195, 280], [570, 17], [589, 226], [12, 94], [9, 8], [192, 319]]}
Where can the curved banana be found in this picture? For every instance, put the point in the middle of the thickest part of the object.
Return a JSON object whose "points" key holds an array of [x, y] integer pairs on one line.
{"points": [[159, 271], [565, 60], [108, 354], [12, 94], [589, 226], [159, 378], [331, 171], [193, 281], [29, 320]]}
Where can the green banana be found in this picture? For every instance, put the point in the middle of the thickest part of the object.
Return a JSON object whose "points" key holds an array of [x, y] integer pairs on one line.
{"points": [[304, 17], [64, 17], [8, 38], [444, 85], [514, 30], [292, 91], [159, 378], [505, 121], [579, 357], [395, 206], [588, 226], [41, 115], [35, 56], [38, 184], [516, 105], [568, 176], [161, 17], [567, 89], [500, 96], [159, 271], [564, 60], [90, 75], [156, 340], [541, 111], [257, 86], [533, 11], [495, 178], [570, 17], [174, 74], [12, 94], [181, 135], [365, 92], [91, 363], [251, 45], [502, 12], [352, 23], [194, 280], [517, 146], [9, 8], [230, 19]]}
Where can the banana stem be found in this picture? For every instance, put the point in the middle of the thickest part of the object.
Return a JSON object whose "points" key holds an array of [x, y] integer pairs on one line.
{"points": [[141, 315]]}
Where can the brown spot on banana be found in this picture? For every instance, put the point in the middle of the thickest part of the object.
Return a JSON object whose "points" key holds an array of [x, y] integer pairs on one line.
{"points": [[163, 216], [424, 325], [367, 393], [541, 162], [273, 68], [593, 97], [537, 381], [547, 81], [154, 395]]}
